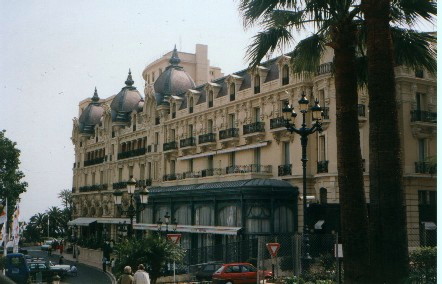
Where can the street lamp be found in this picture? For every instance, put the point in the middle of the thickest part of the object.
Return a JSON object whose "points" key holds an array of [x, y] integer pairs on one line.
{"points": [[74, 241], [174, 223], [304, 131], [133, 209]]}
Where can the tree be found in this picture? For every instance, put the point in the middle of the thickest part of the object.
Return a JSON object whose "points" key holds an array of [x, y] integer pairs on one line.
{"points": [[11, 185], [388, 230], [66, 198], [337, 28], [153, 251]]}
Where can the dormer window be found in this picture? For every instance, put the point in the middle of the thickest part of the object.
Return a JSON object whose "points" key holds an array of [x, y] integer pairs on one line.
{"points": [[285, 75], [173, 110], [210, 99], [232, 92], [257, 85], [191, 105]]}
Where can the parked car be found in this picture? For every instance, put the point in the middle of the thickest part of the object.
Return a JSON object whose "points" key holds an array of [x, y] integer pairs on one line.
{"points": [[238, 273], [47, 245], [46, 268], [16, 268], [206, 270]]}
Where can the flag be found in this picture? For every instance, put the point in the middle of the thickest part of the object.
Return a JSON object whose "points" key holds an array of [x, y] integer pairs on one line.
{"points": [[3, 234], [16, 227]]}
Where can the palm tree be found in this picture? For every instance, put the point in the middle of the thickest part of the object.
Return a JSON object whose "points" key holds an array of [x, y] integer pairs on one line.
{"points": [[57, 221], [388, 230], [66, 197], [336, 27]]}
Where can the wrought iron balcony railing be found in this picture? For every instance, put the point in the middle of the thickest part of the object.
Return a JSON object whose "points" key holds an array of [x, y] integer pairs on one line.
{"points": [[325, 112], [169, 177], [228, 133], [144, 182], [324, 68], [95, 187], [322, 167], [424, 116], [94, 161], [170, 146], [253, 168], [424, 168], [253, 128], [285, 170], [131, 153], [277, 122], [119, 185], [208, 137], [187, 142]]}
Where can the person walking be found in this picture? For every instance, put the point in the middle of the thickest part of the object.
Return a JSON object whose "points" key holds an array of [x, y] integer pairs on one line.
{"points": [[104, 263], [141, 276], [126, 278]]}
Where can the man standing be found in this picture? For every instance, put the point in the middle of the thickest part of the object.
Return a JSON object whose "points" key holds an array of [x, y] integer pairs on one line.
{"points": [[141, 276]]}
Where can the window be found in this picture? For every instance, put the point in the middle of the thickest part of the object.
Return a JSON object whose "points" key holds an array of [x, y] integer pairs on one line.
{"points": [[422, 150], [190, 165], [232, 159], [419, 73], [134, 127], [418, 101], [232, 92], [321, 148], [231, 120], [285, 75], [172, 167], [257, 114], [257, 156], [229, 215], [283, 219], [286, 153], [120, 174], [142, 171], [191, 105], [209, 126], [157, 120], [93, 178], [257, 85], [172, 135], [173, 110], [323, 195], [101, 177], [149, 170], [210, 99], [157, 138], [190, 134], [210, 162], [284, 103], [131, 171]]}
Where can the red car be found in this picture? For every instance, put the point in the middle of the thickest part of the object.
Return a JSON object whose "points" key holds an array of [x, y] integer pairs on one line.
{"points": [[238, 273]]}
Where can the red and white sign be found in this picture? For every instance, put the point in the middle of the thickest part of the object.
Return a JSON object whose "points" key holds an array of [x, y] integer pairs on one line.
{"points": [[273, 248], [175, 238]]}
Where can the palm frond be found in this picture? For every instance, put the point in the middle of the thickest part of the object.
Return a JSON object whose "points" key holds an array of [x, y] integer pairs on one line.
{"points": [[253, 10], [266, 41], [307, 54], [410, 11], [414, 49]]}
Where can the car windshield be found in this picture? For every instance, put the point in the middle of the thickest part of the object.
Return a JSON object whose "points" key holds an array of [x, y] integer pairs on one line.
{"points": [[219, 269]]}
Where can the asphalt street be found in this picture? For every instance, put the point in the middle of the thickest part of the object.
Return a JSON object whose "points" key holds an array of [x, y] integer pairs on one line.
{"points": [[86, 274]]}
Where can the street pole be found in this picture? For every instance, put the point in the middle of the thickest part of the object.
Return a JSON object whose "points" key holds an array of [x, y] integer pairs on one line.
{"points": [[48, 226]]}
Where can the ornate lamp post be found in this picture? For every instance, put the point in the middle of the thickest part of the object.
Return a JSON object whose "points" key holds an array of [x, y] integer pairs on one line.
{"points": [[304, 131], [133, 209], [174, 223]]}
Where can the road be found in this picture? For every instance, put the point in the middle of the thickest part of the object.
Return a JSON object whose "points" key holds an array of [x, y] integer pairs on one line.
{"points": [[86, 274]]}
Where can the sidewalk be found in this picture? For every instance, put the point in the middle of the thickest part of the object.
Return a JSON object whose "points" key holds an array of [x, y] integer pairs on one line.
{"points": [[70, 257]]}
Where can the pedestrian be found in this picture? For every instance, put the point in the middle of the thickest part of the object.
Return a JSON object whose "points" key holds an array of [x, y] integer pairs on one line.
{"points": [[126, 278], [60, 260], [112, 265], [141, 276], [61, 246], [104, 263]]}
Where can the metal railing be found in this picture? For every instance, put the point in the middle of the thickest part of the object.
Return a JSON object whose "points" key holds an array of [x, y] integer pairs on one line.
{"points": [[95, 187], [253, 127], [93, 162], [191, 141], [322, 167], [325, 112], [228, 133], [424, 168], [324, 68], [170, 146], [422, 115], [169, 177], [252, 168], [119, 185], [277, 122], [285, 170], [208, 137], [131, 153]]}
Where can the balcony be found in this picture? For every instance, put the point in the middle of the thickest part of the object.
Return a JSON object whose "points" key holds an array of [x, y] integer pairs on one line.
{"points": [[169, 146], [229, 133], [285, 170], [119, 185], [278, 123], [131, 153], [322, 167], [187, 142], [325, 113], [94, 161], [255, 127], [324, 68], [253, 168], [424, 168], [423, 116], [169, 177], [95, 187], [207, 138]]}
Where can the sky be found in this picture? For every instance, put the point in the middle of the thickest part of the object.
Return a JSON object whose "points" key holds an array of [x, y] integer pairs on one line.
{"points": [[54, 52]]}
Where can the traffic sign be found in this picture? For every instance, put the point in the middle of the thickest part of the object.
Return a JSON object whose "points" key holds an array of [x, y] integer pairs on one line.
{"points": [[273, 248], [175, 238]]}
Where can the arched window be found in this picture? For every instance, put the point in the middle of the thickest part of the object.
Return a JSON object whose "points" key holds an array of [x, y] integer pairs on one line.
{"points": [[229, 216], [191, 105], [203, 216], [257, 85], [173, 110], [210, 99], [285, 75], [283, 220], [323, 195], [232, 92], [257, 218]]}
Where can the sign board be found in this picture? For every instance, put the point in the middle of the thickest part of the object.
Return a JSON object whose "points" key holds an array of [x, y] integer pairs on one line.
{"points": [[273, 248], [175, 238], [338, 251]]}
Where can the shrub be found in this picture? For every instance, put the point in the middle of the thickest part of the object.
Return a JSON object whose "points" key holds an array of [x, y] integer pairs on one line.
{"points": [[423, 265]]}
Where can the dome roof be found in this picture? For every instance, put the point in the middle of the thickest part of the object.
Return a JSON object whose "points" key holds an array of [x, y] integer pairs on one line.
{"points": [[173, 81], [126, 101], [91, 115]]}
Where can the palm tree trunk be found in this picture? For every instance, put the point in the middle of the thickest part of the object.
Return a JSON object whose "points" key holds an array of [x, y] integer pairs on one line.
{"points": [[354, 219], [388, 225]]}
